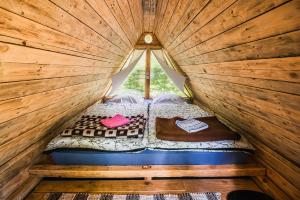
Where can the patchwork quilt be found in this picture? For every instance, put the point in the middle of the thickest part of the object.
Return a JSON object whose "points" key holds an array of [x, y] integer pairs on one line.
{"points": [[90, 126]]}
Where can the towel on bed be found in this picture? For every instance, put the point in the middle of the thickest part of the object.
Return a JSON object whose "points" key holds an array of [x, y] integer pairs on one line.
{"points": [[191, 125], [115, 121], [90, 126], [166, 129]]}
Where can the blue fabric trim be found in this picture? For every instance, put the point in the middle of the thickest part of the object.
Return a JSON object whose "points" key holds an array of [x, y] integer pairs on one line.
{"points": [[149, 157]]}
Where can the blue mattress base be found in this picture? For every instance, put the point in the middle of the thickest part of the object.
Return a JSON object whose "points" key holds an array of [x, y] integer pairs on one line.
{"points": [[149, 157]]}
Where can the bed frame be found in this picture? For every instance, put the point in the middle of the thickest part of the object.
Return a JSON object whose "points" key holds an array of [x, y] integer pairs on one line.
{"points": [[46, 168]]}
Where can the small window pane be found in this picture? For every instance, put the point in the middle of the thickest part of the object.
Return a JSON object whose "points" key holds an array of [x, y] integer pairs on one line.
{"points": [[160, 82], [135, 82]]}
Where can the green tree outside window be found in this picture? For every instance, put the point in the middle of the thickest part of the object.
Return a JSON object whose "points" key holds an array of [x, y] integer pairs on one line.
{"points": [[160, 82]]}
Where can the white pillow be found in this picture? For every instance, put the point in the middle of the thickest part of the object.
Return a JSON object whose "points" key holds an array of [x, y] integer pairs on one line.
{"points": [[168, 98], [127, 98]]}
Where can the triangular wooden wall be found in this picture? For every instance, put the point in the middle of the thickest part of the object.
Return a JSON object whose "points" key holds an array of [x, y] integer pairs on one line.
{"points": [[242, 58]]}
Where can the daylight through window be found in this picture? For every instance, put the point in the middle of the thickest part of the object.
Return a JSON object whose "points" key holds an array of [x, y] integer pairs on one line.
{"points": [[159, 80]]}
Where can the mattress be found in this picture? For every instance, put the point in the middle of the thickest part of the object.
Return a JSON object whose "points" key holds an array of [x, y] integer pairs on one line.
{"points": [[149, 141], [148, 157], [101, 143], [186, 111]]}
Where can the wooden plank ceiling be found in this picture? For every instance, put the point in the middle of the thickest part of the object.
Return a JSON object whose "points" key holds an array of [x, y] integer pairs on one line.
{"points": [[56, 58], [242, 59]]}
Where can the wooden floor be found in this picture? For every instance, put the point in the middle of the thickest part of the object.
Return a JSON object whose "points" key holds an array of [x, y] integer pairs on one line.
{"points": [[142, 187]]}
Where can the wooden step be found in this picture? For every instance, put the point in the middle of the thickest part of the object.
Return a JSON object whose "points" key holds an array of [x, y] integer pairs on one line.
{"points": [[89, 171], [170, 186]]}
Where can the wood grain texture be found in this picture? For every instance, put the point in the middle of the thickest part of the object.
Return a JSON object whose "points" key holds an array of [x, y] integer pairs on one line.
{"points": [[141, 44], [56, 58], [82, 171], [188, 16], [149, 14], [49, 14], [285, 45], [86, 14], [16, 181], [244, 17], [25, 188], [104, 11], [256, 133], [241, 57], [15, 26], [23, 54], [242, 60], [279, 169], [207, 12], [179, 11], [119, 15], [141, 187], [136, 9], [147, 73]]}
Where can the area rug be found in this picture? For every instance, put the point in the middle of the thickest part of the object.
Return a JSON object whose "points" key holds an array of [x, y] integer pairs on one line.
{"points": [[86, 196]]}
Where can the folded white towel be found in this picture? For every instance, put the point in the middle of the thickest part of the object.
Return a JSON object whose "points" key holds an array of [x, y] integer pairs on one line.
{"points": [[191, 125]]}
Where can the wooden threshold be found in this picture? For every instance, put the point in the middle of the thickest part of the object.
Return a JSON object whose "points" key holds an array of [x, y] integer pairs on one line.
{"points": [[88, 171], [142, 187]]}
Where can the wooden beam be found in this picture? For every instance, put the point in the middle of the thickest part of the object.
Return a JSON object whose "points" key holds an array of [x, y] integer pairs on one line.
{"points": [[86, 171], [141, 44], [147, 73]]}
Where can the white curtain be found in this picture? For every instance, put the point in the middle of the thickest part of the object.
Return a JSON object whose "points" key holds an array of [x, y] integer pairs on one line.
{"points": [[120, 77], [177, 78]]}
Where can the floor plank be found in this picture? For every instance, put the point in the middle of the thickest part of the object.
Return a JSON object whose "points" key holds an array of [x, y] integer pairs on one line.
{"points": [[143, 187]]}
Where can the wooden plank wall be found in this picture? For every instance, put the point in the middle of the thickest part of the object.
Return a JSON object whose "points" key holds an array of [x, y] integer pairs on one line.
{"points": [[55, 60], [243, 62], [242, 58], [149, 11]]}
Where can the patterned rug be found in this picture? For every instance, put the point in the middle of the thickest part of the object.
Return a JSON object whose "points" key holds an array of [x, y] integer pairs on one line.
{"points": [[86, 196]]}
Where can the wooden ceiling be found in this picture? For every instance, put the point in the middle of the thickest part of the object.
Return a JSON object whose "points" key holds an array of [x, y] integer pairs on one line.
{"points": [[242, 59], [149, 11]]}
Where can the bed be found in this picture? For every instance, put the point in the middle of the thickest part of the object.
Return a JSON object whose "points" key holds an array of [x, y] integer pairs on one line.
{"points": [[149, 150], [186, 110], [100, 143]]}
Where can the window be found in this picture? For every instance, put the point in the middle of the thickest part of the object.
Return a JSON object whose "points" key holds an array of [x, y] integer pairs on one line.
{"points": [[135, 82], [160, 82]]}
